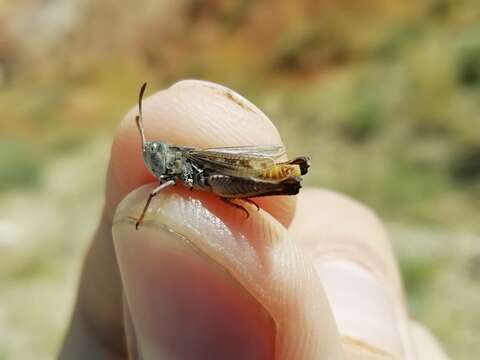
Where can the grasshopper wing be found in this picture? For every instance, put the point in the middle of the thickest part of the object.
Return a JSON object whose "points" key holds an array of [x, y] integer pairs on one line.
{"points": [[237, 160]]}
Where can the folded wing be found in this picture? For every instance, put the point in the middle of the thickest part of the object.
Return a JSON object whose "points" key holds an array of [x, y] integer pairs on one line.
{"points": [[238, 160]]}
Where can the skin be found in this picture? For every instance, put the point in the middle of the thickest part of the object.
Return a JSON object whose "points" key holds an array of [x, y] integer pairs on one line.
{"points": [[306, 277]]}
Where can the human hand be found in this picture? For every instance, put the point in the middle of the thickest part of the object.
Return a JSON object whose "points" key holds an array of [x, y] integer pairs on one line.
{"points": [[199, 281]]}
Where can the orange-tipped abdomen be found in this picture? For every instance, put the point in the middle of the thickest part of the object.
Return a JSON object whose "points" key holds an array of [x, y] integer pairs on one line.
{"points": [[281, 171]]}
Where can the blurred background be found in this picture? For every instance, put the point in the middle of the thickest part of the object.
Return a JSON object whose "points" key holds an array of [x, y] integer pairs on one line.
{"points": [[383, 95]]}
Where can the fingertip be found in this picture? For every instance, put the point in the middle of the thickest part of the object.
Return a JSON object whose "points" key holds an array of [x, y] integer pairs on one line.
{"points": [[259, 257], [330, 222], [183, 303], [355, 263]]}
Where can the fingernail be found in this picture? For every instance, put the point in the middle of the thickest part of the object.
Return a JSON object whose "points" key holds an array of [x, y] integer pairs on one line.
{"points": [[362, 306], [184, 304]]}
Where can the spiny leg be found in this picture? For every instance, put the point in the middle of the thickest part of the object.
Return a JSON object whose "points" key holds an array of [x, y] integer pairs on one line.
{"points": [[150, 197], [250, 201], [231, 203]]}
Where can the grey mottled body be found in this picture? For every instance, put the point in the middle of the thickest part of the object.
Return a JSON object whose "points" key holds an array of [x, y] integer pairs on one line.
{"points": [[168, 162]]}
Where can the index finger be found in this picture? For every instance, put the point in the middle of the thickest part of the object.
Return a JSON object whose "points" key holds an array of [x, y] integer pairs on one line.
{"points": [[194, 113], [191, 113]]}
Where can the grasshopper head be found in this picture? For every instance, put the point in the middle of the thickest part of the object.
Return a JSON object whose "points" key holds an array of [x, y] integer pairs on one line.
{"points": [[155, 157]]}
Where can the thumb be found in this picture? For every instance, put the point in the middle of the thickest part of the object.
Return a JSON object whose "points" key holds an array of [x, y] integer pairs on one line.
{"points": [[203, 282]]}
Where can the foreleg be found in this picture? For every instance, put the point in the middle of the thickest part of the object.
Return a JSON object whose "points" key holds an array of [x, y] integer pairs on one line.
{"points": [[154, 193]]}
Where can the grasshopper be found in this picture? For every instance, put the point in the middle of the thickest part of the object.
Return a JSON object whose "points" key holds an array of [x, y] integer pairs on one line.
{"points": [[236, 172]]}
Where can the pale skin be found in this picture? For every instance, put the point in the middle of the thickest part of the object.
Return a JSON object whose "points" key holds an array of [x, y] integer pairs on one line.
{"points": [[306, 277]]}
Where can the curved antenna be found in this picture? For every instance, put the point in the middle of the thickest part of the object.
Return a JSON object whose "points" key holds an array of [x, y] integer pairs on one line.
{"points": [[139, 118]]}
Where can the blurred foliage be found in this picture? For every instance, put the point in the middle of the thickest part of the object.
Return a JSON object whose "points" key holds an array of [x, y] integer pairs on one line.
{"points": [[384, 96], [19, 165]]}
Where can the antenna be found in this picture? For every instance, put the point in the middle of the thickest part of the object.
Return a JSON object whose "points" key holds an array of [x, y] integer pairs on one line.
{"points": [[139, 118]]}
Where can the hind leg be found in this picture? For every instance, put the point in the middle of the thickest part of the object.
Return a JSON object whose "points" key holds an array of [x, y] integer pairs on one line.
{"points": [[250, 201], [231, 203]]}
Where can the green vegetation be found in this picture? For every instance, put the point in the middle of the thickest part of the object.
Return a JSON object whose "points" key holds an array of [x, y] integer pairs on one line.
{"points": [[19, 166]]}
